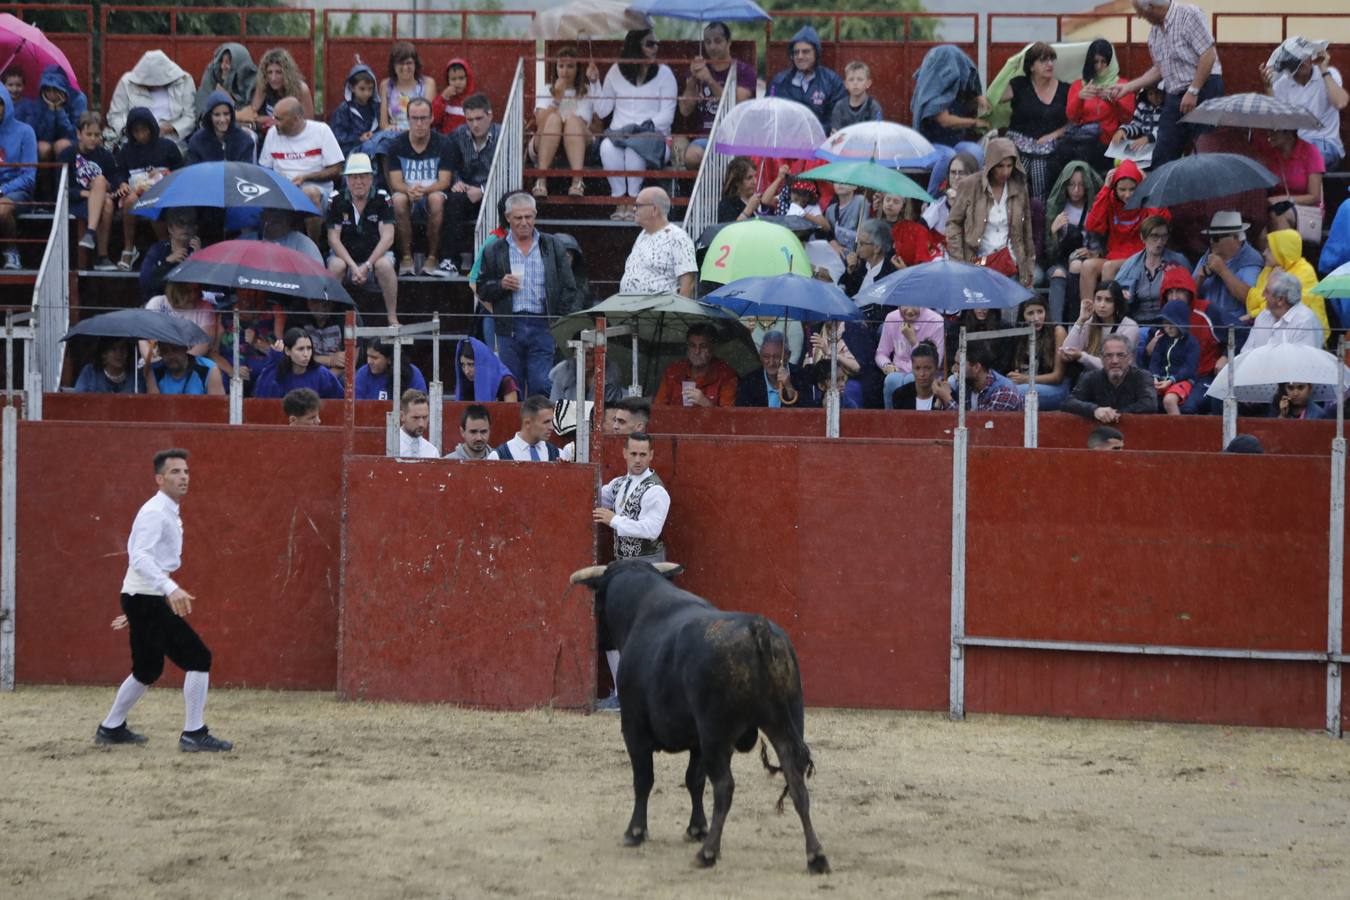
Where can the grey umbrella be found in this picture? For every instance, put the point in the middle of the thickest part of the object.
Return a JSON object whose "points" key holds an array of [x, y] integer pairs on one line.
{"points": [[1251, 111], [1203, 176], [140, 323]]}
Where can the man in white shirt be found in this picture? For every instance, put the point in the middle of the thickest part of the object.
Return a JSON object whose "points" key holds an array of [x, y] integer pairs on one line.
{"points": [[306, 152], [531, 443], [1285, 320], [414, 415], [153, 607], [635, 507], [1300, 72], [662, 259]]}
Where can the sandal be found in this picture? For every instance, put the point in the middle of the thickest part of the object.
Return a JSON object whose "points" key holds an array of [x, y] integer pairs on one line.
{"points": [[128, 259], [540, 188], [619, 215], [577, 189]]}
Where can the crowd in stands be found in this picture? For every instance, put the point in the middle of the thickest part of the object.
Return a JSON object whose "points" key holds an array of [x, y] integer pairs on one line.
{"points": [[1033, 178]]}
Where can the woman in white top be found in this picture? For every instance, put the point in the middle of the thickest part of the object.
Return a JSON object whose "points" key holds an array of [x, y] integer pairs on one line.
{"points": [[642, 95], [1102, 315], [563, 116]]}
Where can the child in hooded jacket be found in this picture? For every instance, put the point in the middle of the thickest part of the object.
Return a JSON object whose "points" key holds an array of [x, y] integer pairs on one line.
{"points": [[54, 113], [1110, 222], [447, 109], [1174, 357], [356, 119], [143, 159]]}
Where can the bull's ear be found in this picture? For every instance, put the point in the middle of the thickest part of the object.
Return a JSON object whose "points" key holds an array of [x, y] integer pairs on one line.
{"points": [[669, 569], [589, 576]]}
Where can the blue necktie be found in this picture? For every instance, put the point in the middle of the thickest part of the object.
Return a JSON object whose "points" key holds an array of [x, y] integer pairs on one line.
{"points": [[534, 454]]}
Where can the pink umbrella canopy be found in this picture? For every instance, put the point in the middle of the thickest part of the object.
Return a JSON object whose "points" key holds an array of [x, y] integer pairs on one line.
{"points": [[27, 47]]}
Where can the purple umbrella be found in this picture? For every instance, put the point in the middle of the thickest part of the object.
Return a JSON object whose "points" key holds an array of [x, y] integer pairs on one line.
{"points": [[25, 46]]}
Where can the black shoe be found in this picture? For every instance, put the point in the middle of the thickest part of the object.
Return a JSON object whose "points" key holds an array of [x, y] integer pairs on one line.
{"points": [[119, 735], [202, 742]]}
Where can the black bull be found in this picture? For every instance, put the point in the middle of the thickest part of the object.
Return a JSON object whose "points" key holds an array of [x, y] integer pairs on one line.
{"points": [[693, 678]]}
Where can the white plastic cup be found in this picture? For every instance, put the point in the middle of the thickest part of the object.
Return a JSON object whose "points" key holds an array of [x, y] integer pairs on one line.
{"points": [[688, 386]]}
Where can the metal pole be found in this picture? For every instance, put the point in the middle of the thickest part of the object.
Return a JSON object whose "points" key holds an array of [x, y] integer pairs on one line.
{"points": [[581, 436], [8, 554], [594, 425], [1336, 551], [391, 438], [236, 383], [1031, 405], [832, 395], [435, 392], [635, 389], [956, 683], [1230, 402]]}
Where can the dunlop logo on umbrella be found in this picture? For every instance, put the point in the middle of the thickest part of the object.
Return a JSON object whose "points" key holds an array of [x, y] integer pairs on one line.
{"points": [[249, 190], [249, 281]]}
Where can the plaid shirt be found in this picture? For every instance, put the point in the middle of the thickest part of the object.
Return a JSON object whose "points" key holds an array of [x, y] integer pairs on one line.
{"points": [[1177, 45], [530, 297], [999, 395]]}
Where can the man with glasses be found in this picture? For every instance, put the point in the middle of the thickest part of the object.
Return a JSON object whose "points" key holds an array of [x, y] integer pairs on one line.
{"points": [[808, 82], [526, 282], [1226, 274], [700, 379], [1118, 388], [662, 259], [1141, 275], [418, 173]]}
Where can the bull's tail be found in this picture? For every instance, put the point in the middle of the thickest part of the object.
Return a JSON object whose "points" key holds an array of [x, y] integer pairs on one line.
{"points": [[783, 683]]}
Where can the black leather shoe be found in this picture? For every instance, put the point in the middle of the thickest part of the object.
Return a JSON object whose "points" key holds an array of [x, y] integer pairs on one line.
{"points": [[119, 735], [203, 743]]}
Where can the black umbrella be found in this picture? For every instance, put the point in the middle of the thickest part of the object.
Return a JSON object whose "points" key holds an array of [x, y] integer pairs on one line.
{"points": [[1203, 176], [144, 324]]}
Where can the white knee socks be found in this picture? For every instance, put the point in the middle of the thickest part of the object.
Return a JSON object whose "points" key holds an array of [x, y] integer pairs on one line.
{"points": [[194, 699], [612, 657], [127, 695]]}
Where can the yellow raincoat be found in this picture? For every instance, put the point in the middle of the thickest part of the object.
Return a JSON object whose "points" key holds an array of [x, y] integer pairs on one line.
{"points": [[1287, 248]]}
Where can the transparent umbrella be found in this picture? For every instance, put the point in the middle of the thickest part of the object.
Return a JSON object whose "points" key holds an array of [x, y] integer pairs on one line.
{"points": [[1257, 373], [770, 126], [884, 143]]}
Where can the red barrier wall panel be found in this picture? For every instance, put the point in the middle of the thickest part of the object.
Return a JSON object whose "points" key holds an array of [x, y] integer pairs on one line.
{"points": [[463, 596], [260, 549]]}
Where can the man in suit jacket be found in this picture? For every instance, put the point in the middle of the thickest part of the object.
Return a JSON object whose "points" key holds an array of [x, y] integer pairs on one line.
{"points": [[526, 282], [776, 383]]}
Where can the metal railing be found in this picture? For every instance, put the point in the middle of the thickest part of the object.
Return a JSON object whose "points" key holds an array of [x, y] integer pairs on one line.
{"points": [[712, 171], [51, 303], [508, 160]]}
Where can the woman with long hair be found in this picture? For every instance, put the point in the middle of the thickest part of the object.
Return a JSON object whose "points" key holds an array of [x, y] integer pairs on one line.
{"points": [[375, 380], [280, 79], [1051, 384], [563, 116], [1098, 316], [294, 367], [405, 82]]}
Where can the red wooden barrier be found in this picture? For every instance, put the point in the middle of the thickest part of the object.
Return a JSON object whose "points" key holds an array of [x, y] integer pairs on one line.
{"points": [[76, 44], [462, 596], [193, 52]]}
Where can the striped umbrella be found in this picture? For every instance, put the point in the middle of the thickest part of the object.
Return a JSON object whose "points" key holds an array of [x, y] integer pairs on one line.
{"points": [[1251, 111]]}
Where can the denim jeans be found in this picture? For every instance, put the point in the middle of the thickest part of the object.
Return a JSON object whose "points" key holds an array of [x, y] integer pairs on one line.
{"points": [[528, 352], [1052, 396], [1173, 136]]}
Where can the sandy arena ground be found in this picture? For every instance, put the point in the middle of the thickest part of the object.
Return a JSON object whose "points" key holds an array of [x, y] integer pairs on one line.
{"points": [[323, 798]]}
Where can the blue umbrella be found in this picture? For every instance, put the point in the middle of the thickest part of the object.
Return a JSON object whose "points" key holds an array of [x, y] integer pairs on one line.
{"points": [[788, 297], [146, 324], [945, 284], [243, 190], [703, 10]]}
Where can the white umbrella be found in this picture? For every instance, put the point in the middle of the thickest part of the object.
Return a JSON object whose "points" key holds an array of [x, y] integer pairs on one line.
{"points": [[1257, 373], [772, 127], [587, 19], [885, 143]]}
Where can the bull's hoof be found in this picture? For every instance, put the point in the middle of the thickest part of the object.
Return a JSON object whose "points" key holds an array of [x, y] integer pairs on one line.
{"points": [[634, 836], [818, 864], [696, 833], [705, 859]]}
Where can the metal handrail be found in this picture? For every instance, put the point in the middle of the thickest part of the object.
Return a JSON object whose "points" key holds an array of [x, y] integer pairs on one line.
{"points": [[51, 303], [712, 171], [508, 160]]}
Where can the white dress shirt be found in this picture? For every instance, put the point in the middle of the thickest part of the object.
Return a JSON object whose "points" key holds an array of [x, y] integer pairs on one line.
{"points": [[155, 548], [410, 447], [655, 506], [520, 451], [1299, 325]]}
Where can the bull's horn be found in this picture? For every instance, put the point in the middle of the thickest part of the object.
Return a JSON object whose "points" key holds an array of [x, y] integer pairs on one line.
{"points": [[581, 575], [667, 567]]}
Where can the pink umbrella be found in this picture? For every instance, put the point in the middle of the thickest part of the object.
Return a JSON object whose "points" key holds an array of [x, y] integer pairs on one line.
{"points": [[27, 47]]}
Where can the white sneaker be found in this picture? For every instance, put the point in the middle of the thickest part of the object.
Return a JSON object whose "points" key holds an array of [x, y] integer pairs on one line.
{"points": [[12, 260], [87, 242], [448, 269]]}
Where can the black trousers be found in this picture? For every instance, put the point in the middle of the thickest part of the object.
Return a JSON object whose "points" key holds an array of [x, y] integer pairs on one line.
{"points": [[461, 215], [155, 632]]}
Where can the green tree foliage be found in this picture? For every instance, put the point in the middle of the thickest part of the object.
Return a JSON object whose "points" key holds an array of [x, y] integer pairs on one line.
{"points": [[859, 28]]}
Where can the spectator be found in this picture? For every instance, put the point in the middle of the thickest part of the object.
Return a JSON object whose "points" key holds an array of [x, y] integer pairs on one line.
{"points": [[1142, 128], [563, 116], [219, 137], [860, 105], [525, 283], [475, 426], [481, 375], [903, 331], [1289, 76], [958, 167], [1284, 252], [472, 146], [846, 362], [1293, 400], [871, 259], [975, 321], [817, 390], [1174, 357], [15, 84], [700, 379], [806, 81], [913, 242], [1141, 275], [404, 84], [414, 416], [1098, 318], [304, 151], [232, 71], [93, 180], [261, 323], [1039, 116], [158, 85], [1066, 236], [928, 389], [1227, 272], [1104, 437], [301, 407], [1118, 388], [185, 301], [447, 110], [181, 225], [296, 367], [1245, 443], [628, 415], [530, 444], [1052, 386], [179, 373], [375, 380], [563, 379], [278, 226], [641, 95], [986, 389], [280, 79], [324, 330], [662, 258], [776, 383], [54, 113], [360, 225], [1298, 165], [1094, 111], [1207, 325], [804, 201], [990, 218], [1284, 319], [418, 173], [577, 261], [17, 145], [844, 216], [111, 371], [1110, 217], [144, 159], [1185, 66], [740, 200], [703, 87], [356, 119], [949, 106]]}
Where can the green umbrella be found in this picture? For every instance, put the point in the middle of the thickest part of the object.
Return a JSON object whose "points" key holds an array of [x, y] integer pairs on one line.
{"points": [[662, 321], [1336, 284], [868, 175], [747, 249]]}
